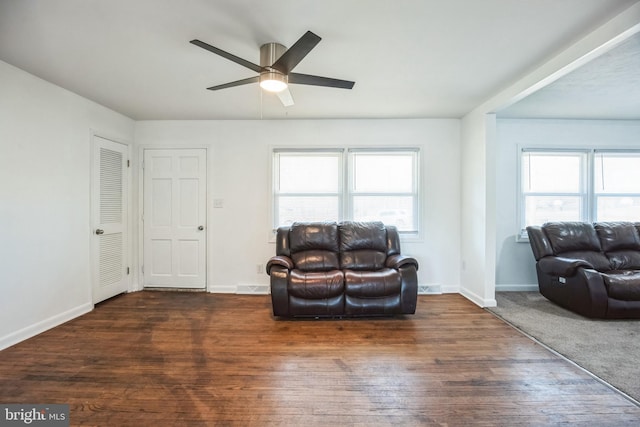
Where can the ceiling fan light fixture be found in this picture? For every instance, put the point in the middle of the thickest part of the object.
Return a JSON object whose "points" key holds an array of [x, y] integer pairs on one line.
{"points": [[273, 81], [276, 65]]}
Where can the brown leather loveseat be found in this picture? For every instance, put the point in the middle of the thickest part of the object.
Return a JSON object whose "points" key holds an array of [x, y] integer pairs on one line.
{"points": [[329, 269], [591, 269]]}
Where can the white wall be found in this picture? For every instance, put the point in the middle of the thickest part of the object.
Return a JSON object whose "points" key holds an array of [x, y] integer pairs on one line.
{"points": [[477, 207], [480, 211], [241, 159], [45, 141], [515, 268]]}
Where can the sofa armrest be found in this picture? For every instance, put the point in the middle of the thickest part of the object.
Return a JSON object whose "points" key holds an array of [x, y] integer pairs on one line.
{"points": [[397, 261], [280, 261], [279, 291], [559, 266]]}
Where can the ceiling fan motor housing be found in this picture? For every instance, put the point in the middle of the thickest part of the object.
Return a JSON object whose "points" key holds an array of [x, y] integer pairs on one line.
{"points": [[272, 79], [269, 53]]}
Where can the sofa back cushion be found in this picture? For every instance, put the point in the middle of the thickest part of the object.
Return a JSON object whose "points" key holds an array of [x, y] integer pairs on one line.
{"points": [[363, 245], [615, 236], [540, 244], [620, 242], [314, 245], [577, 240]]}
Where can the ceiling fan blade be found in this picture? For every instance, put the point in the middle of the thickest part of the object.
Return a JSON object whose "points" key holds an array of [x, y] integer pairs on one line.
{"points": [[291, 57], [227, 55], [306, 79], [285, 97], [236, 83]]}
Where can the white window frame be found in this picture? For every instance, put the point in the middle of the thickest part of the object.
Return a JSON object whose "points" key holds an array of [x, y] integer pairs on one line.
{"points": [[414, 193], [276, 194], [588, 212], [346, 194], [599, 154]]}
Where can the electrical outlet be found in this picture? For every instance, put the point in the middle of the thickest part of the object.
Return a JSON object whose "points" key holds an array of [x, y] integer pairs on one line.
{"points": [[259, 268]]}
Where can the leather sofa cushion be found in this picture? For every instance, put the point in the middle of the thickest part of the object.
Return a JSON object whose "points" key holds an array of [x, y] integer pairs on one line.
{"points": [[363, 260], [333, 306], [316, 285], [315, 260], [362, 235], [314, 246], [577, 240], [597, 259], [571, 237], [313, 236], [615, 236], [363, 246], [623, 285], [621, 243], [355, 306], [372, 284], [624, 260]]}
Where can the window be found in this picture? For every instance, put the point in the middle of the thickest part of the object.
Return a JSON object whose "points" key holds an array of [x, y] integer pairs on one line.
{"points": [[307, 186], [553, 187], [383, 188], [617, 186], [357, 184], [580, 185]]}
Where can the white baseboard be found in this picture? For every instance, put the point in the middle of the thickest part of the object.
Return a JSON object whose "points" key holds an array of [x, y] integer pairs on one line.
{"points": [[253, 289], [244, 289], [476, 299], [226, 289], [517, 288], [431, 289], [44, 325]]}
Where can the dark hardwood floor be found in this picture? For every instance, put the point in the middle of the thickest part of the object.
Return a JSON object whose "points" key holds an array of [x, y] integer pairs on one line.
{"points": [[181, 359]]}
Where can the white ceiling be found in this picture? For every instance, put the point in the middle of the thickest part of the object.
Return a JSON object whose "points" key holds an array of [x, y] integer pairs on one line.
{"points": [[608, 87], [409, 58]]}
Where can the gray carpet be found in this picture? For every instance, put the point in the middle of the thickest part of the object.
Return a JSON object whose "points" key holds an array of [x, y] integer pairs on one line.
{"points": [[609, 349]]}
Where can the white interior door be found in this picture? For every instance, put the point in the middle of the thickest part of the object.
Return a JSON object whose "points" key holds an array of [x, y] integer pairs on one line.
{"points": [[175, 218], [109, 210]]}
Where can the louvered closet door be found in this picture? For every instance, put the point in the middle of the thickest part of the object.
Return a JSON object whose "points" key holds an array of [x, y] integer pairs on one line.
{"points": [[109, 194]]}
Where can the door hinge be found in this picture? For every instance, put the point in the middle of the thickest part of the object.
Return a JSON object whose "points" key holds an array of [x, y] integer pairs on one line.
{"points": [[143, 269], [128, 163], [142, 165], [127, 270]]}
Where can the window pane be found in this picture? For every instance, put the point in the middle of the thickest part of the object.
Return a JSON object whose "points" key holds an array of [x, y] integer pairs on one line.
{"points": [[383, 172], [551, 173], [541, 209], [618, 208], [309, 173], [291, 209], [396, 211], [617, 173]]}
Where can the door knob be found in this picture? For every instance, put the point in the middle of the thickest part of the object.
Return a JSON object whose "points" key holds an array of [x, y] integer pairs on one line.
{"points": [[201, 228], [99, 231]]}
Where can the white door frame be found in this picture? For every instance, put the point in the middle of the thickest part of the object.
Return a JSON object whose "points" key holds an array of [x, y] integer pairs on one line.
{"points": [[93, 267], [140, 197]]}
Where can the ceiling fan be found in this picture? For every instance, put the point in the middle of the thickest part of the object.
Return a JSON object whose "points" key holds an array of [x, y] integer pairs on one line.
{"points": [[276, 66]]}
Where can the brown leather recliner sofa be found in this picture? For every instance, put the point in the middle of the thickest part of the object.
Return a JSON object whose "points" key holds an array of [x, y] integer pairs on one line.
{"points": [[591, 269], [347, 269]]}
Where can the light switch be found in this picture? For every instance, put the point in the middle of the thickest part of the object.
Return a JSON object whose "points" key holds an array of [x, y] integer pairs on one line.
{"points": [[218, 203]]}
